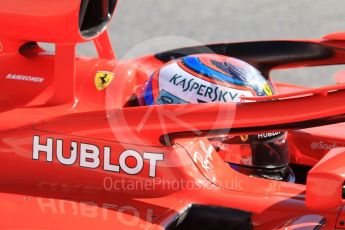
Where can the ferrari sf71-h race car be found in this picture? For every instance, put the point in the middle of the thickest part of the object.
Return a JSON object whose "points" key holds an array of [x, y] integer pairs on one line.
{"points": [[79, 151]]}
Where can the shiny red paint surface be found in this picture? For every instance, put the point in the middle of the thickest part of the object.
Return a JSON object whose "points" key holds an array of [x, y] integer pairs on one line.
{"points": [[43, 193]]}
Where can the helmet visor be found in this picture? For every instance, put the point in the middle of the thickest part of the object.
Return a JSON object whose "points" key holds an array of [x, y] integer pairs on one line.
{"points": [[268, 151], [272, 153]]}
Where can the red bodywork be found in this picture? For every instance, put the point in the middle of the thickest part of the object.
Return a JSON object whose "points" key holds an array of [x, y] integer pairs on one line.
{"points": [[109, 163]]}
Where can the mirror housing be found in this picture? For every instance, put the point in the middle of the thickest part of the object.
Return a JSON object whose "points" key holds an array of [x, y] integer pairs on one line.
{"points": [[325, 181], [54, 21]]}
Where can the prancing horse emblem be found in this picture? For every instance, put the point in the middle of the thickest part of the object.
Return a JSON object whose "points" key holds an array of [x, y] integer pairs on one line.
{"points": [[244, 138], [103, 79]]}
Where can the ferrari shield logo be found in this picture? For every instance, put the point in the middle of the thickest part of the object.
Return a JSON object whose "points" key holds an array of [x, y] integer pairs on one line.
{"points": [[268, 90], [244, 138], [103, 79]]}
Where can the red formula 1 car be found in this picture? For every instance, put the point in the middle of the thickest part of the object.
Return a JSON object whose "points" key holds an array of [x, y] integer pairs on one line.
{"points": [[78, 152]]}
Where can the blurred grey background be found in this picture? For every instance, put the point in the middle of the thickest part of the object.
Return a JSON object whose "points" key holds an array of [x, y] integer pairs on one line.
{"points": [[140, 27]]}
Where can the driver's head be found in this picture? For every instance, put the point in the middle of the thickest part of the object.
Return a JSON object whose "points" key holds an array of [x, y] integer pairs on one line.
{"points": [[207, 78]]}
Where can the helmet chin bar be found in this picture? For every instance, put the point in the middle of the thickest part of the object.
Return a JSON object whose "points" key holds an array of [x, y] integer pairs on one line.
{"points": [[284, 173], [260, 155]]}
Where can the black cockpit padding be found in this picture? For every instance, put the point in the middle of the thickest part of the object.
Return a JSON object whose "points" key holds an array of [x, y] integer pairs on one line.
{"points": [[263, 54]]}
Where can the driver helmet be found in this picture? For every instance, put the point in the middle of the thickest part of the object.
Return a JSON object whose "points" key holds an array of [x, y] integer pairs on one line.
{"points": [[208, 78]]}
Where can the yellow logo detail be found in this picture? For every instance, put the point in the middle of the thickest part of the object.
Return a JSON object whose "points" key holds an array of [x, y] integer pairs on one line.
{"points": [[268, 90], [103, 79], [244, 138]]}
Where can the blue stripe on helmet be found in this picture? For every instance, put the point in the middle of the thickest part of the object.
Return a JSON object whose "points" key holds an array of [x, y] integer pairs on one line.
{"points": [[148, 96], [195, 64]]}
